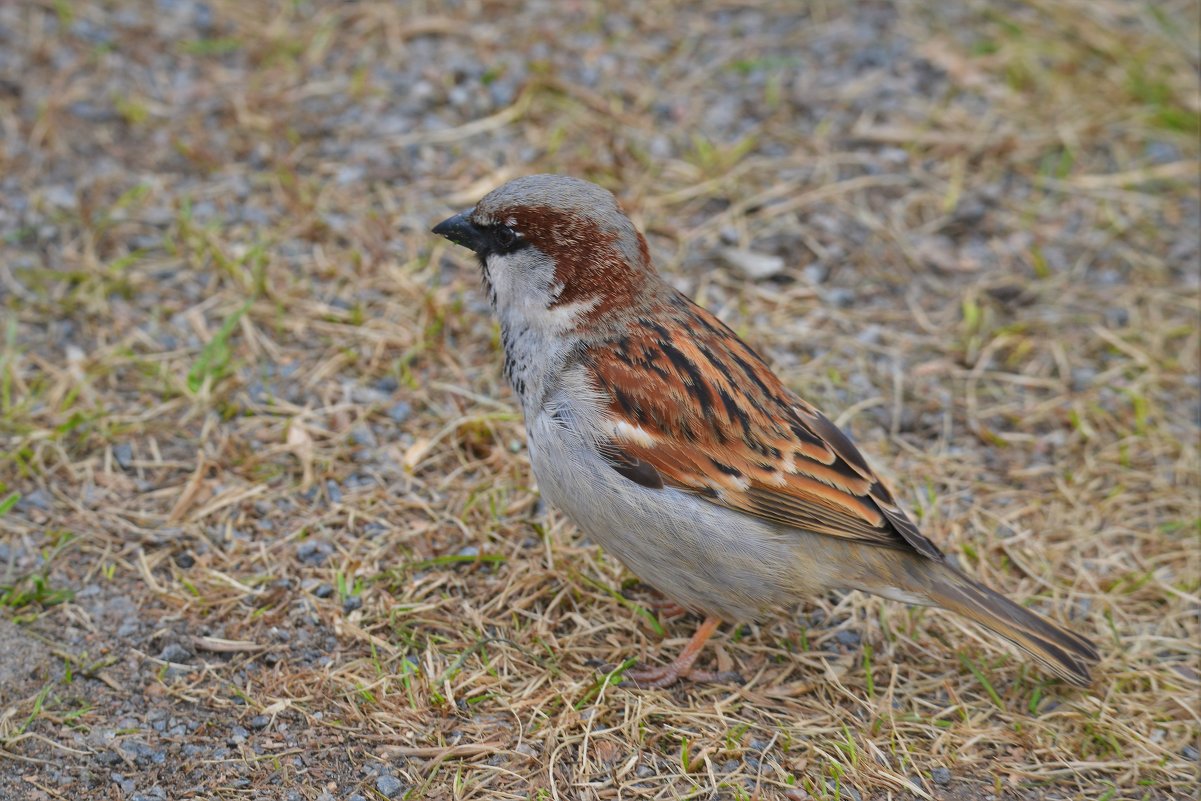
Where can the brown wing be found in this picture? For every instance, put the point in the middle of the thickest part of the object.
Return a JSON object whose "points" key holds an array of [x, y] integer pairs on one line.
{"points": [[693, 404]]}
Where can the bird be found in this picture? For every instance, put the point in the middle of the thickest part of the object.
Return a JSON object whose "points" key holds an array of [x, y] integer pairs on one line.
{"points": [[668, 440]]}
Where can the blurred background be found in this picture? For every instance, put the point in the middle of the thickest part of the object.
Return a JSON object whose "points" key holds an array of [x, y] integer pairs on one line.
{"points": [[267, 527]]}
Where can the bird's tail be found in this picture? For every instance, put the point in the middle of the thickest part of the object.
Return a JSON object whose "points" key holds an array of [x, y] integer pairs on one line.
{"points": [[1064, 653]]}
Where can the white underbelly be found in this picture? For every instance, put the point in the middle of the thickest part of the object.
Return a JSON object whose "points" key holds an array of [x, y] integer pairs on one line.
{"points": [[701, 555]]}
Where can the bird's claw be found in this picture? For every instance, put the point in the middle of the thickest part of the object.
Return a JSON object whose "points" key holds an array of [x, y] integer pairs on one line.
{"points": [[668, 675]]}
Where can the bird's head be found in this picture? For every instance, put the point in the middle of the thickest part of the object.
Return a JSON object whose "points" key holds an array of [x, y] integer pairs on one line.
{"points": [[554, 250]]}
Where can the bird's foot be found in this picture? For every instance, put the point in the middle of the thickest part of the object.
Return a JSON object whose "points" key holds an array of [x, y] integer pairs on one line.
{"points": [[681, 666], [668, 675]]}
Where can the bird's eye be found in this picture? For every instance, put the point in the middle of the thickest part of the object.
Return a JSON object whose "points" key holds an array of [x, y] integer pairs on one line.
{"points": [[506, 237]]}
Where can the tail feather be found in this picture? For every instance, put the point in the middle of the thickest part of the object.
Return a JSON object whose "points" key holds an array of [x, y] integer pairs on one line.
{"points": [[1064, 653]]}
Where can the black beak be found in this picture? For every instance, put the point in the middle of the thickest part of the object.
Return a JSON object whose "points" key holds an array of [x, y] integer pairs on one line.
{"points": [[462, 231]]}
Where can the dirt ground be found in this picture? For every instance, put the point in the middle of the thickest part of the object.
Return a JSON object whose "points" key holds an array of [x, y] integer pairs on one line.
{"points": [[267, 525]]}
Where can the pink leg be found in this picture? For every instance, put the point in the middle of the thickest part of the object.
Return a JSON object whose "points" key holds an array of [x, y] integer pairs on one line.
{"points": [[681, 666]]}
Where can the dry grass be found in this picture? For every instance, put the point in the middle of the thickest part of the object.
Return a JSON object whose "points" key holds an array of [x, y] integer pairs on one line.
{"points": [[218, 285]]}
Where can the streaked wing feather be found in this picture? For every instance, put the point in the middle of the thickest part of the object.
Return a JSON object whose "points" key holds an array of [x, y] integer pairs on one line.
{"points": [[698, 409]]}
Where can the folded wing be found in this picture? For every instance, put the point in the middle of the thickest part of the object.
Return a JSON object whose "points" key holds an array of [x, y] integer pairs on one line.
{"points": [[693, 407]]}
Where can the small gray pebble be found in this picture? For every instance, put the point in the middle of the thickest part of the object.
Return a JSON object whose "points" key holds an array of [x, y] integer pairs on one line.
{"points": [[840, 790], [123, 453], [352, 603], [870, 335], [323, 591], [349, 174], [37, 499], [1117, 317], [840, 296], [91, 112], [363, 435], [816, 272], [389, 786], [260, 722], [1190, 753], [400, 411], [313, 552], [1082, 377], [661, 147], [941, 776], [970, 211], [174, 652], [143, 754], [848, 637], [754, 264], [1161, 152]]}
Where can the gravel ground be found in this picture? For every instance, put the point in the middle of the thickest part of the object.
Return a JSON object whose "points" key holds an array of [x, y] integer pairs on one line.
{"points": [[267, 527]]}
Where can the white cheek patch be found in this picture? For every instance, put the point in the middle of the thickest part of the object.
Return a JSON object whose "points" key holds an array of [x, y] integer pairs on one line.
{"points": [[515, 279], [526, 294]]}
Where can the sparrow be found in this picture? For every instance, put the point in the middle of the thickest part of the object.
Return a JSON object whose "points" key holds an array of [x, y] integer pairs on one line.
{"points": [[668, 441]]}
